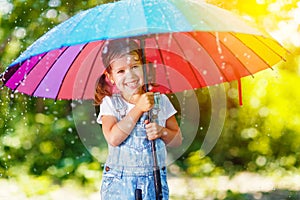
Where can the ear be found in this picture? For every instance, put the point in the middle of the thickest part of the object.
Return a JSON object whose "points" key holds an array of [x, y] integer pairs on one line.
{"points": [[109, 77]]}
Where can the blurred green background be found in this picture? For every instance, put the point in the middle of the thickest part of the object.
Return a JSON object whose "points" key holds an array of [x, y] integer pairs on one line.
{"points": [[40, 149]]}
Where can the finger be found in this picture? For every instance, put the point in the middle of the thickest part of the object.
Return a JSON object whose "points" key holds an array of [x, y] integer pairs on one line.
{"points": [[151, 137], [150, 126]]}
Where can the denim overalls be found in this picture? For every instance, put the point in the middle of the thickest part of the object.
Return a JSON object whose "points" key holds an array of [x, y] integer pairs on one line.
{"points": [[129, 166]]}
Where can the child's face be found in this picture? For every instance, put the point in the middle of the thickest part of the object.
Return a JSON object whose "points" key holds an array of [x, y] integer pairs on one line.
{"points": [[127, 73]]}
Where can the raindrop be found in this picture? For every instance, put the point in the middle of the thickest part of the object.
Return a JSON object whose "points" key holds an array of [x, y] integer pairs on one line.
{"points": [[73, 105], [105, 49], [170, 40], [70, 130], [54, 3], [52, 13], [20, 32], [223, 65], [5, 7], [70, 118], [247, 55], [261, 161], [204, 72], [218, 43]]}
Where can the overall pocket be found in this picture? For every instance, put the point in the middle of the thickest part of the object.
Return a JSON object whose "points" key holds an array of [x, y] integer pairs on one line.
{"points": [[110, 179]]}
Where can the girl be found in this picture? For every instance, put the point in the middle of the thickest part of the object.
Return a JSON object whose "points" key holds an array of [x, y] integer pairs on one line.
{"points": [[129, 165]]}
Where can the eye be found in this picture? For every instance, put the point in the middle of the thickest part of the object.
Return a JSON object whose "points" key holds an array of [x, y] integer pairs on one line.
{"points": [[135, 66], [120, 71]]}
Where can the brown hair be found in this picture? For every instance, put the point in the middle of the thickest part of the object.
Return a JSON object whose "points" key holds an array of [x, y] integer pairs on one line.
{"points": [[112, 50]]}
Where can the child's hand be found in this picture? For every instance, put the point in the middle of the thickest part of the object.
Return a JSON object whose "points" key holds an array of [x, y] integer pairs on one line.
{"points": [[145, 101], [153, 130]]}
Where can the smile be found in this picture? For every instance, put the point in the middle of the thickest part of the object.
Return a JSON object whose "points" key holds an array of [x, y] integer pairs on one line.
{"points": [[133, 84]]}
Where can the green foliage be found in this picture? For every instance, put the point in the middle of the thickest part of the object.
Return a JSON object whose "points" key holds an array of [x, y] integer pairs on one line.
{"points": [[37, 135]]}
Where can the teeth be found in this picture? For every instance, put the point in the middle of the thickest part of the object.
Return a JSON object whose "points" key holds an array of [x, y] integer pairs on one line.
{"points": [[132, 84]]}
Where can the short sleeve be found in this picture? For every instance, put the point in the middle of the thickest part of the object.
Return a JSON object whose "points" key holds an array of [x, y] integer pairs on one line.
{"points": [[106, 108], [168, 107], [167, 110]]}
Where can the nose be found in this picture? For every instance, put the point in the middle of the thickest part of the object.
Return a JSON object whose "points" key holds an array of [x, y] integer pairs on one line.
{"points": [[130, 73]]}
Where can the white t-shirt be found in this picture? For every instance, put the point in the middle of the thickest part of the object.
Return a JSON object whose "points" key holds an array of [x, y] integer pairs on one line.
{"points": [[165, 106]]}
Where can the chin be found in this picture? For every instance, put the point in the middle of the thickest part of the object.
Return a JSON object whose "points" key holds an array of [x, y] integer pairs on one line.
{"points": [[134, 91]]}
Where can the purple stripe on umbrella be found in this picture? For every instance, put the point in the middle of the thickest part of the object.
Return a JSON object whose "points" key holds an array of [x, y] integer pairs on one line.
{"points": [[29, 85], [22, 72], [48, 87]]}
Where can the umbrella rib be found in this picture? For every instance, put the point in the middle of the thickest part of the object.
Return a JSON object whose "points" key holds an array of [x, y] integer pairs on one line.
{"points": [[271, 48], [164, 64], [93, 65], [221, 71], [107, 24], [48, 71], [28, 71], [234, 54], [189, 64], [57, 94], [253, 53]]}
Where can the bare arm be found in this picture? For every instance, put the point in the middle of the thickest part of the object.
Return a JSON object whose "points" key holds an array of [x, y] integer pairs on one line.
{"points": [[116, 132]]}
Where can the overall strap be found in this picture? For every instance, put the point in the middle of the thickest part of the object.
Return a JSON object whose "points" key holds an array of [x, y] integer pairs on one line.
{"points": [[119, 105]]}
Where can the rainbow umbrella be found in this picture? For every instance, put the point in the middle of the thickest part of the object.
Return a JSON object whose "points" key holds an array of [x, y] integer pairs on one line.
{"points": [[191, 44]]}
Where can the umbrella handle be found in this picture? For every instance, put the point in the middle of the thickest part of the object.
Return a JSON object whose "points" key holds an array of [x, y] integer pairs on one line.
{"points": [[156, 170], [156, 173], [138, 194]]}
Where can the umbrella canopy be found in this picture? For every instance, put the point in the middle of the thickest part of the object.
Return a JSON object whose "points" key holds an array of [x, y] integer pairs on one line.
{"points": [[190, 44]]}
